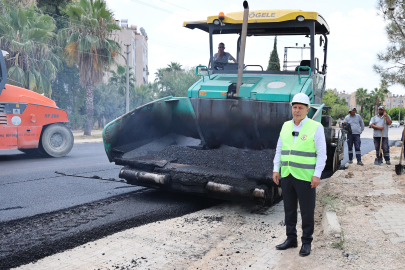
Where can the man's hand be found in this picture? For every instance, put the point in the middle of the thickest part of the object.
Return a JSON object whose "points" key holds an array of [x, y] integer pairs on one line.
{"points": [[315, 181], [276, 177]]}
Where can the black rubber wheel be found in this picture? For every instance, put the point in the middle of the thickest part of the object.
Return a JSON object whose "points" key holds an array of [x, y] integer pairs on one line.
{"points": [[336, 162], [57, 140]]}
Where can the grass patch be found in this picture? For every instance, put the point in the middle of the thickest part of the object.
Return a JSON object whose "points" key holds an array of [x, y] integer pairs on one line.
{"points": [[339, 244], [329, 201]]}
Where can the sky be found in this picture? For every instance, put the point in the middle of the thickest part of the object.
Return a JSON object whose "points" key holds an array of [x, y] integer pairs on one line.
{"points": [[357, 34]]}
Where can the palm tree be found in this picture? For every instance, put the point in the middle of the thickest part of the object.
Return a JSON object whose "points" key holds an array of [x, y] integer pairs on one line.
{"points": [[144, 93], [119, 78], [27, 36], [89, 46], [173, 66], [379, 94], [361, 99]]}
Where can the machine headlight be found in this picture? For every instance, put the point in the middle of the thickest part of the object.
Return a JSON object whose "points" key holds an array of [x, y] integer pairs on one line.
{"points": [[216, 22], [300, 18]]}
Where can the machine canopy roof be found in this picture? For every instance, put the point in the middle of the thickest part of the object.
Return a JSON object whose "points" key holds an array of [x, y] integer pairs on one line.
{"points": [[283, 19]]}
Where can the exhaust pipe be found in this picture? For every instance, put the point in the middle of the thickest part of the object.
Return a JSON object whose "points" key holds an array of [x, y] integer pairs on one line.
{"points": [[242, 46], [223, 188], [134, 176]]}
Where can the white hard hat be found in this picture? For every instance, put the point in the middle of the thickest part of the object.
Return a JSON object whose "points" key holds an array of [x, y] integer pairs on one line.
{"points": [[301, 98]]}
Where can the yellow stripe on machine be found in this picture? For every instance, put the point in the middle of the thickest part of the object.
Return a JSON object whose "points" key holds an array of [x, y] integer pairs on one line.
{"points": [[262, 16]]}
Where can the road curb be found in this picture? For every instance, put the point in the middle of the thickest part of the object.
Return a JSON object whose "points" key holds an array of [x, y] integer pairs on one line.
{"points": [[88, 141], [330, 223]]}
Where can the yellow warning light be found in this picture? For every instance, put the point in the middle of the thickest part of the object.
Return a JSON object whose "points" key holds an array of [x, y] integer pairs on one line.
{"points": [[221, 16]]}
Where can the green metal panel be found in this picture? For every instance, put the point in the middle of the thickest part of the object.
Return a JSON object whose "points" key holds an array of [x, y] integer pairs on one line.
{"points": [[245, 79], [313, 110], [264, 87]]}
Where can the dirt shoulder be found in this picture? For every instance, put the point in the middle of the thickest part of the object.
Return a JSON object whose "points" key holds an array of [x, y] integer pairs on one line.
{"points": [[369, 202], [370, 205]]}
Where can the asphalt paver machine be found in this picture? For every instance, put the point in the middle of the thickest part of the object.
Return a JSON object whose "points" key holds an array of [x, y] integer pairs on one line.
{"points": [[220, 140]]}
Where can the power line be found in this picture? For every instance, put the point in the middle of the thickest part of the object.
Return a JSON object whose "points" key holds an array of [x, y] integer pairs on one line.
{"points": [[182, 7]]}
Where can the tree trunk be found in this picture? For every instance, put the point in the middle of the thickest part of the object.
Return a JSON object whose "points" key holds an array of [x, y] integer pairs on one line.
{"points": [[89, 109], [377, 104], [361, 111]]}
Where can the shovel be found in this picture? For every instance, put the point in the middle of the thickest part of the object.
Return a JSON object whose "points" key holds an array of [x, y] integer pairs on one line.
{"points": [[378, 161], [399, 169]]}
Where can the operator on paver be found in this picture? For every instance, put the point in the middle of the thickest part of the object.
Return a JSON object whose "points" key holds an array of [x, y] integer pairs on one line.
{"points": [[377, 125], [357, 127], [301, 149], [223, 56]]}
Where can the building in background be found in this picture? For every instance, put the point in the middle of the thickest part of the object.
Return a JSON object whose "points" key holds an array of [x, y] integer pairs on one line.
{"points": [[349, 97], [391, 100], [138, 50]]}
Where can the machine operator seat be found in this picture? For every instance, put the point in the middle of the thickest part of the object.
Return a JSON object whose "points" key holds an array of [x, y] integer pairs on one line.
{"points": [[304, 63]]}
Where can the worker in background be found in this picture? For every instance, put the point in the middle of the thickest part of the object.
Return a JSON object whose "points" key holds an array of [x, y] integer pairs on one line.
{"points": [[223, 56], [357, 127], [377, 125], [301, 152]]}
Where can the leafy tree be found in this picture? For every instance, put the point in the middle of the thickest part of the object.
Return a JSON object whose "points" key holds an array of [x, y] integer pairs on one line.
{"points": [[143, 94], [330, 98], [173, 66], [338, 111], [338, 104], [370, 104], [379, 95], [119, 79], [89, 46], [176, 82], [109, 103], [393, 13], [274, 61], [55, 9], [394, 113], [70, 96], [27, 36], [361, 99]]}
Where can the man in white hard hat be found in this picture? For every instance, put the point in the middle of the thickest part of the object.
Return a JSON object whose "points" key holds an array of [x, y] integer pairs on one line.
{"points": [[301, 152]]}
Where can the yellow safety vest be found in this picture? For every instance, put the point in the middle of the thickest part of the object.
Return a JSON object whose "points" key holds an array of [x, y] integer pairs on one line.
{"points": [[299, 157]]}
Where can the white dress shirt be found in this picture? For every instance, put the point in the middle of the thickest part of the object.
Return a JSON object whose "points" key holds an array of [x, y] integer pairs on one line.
{"points": [[320, 148]]}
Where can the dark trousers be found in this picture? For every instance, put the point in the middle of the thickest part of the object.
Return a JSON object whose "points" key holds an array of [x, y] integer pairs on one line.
{"points": [[295, 190], [385, 147], [354, 139]]}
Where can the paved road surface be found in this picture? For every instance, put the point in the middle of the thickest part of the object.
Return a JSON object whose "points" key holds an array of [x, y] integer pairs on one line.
{"points": [[43, 212], [30, 186]]}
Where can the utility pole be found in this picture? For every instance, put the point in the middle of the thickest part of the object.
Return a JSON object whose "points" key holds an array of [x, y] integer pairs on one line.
{"points": [[127, 90]]}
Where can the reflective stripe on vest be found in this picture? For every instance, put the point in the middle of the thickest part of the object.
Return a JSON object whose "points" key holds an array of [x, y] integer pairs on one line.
{"points": [[299, 157]]}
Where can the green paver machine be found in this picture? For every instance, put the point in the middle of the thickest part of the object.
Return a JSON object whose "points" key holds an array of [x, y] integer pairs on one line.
{"points": [[223, 129]]}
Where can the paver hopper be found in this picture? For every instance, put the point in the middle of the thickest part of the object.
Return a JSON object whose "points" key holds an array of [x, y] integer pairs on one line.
{"points": [[219, 140]]}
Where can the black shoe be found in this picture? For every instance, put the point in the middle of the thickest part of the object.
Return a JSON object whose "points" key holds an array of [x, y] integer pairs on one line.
{"points": [[305, 250], [388, 162], [360, 163], [287, 244], [350, 161]]}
